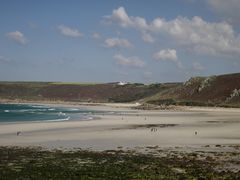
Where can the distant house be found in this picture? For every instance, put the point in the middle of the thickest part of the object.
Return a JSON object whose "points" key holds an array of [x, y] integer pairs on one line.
{"points": [[121, 83]]}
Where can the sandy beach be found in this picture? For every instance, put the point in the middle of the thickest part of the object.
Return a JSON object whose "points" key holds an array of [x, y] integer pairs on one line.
{"points": [[193, 127]]}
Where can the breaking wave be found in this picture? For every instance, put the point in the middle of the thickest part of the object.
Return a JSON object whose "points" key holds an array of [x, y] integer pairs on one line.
{"points": [[37, 113]]}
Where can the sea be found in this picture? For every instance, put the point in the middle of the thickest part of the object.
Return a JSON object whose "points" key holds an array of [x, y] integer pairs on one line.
{"points": [[33, 112]]}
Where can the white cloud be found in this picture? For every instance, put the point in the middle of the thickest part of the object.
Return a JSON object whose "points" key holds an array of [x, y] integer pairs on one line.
{"points": [[133, 61], [120, 16], [197, 66], [70, 32], [117, 42], [147, 38], [95, 35], [168, 55], [195, 34], [228, 9], [17, 36]]}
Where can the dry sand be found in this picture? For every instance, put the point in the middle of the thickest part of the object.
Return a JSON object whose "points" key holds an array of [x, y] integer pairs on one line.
{"points": [[194, 127]]}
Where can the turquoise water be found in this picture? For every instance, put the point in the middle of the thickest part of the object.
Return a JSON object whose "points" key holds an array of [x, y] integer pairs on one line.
{"points": [[28, 112]]}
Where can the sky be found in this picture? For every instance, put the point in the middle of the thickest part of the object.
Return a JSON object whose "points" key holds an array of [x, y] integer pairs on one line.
{"points": [[152, 41]]}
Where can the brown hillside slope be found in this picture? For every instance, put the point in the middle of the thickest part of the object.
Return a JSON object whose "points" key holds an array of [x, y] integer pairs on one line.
{"points": [[110, 92], [223, 90]]}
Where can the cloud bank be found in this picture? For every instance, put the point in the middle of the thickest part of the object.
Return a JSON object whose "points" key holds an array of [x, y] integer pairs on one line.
{"points": [[193, 34]]}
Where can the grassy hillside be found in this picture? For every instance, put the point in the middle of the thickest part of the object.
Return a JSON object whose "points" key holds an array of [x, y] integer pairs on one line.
{"points": [[223, 90], [111, 92]]}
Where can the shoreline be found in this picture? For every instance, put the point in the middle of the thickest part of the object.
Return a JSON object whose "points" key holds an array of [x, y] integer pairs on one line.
{"points": [[69, 103], [130, 106], [131, 129]]}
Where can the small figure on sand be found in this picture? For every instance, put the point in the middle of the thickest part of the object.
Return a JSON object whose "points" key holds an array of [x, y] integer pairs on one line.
{"points": [[195, 132], [19, 133], [153, 129]]}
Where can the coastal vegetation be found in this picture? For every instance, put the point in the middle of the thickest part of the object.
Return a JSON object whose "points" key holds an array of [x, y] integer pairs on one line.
{"points": [[37, 163]]}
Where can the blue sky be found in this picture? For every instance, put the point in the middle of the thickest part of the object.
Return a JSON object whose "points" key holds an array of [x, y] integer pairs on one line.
{"points": [[110, 40]]}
